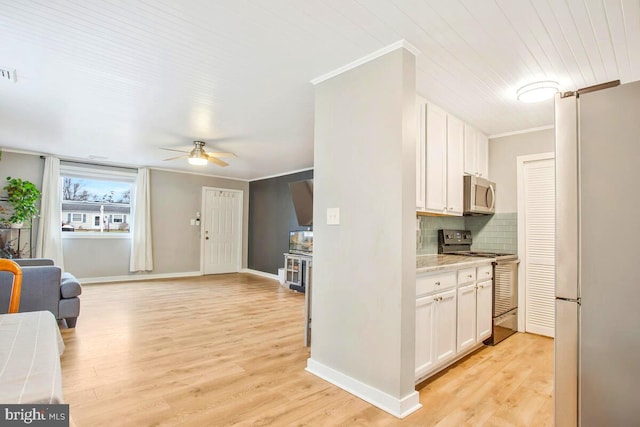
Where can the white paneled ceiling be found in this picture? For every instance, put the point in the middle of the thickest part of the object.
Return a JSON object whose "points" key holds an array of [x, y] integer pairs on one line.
{"points": [[117, 79]]}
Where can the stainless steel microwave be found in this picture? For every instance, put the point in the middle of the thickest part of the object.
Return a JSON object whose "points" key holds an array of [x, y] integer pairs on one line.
{"points": [[479, 196]]}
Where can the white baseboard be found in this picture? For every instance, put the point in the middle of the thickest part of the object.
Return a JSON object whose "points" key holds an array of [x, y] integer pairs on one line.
{"points": [[137, 277], [397, 407], [260, 273]]}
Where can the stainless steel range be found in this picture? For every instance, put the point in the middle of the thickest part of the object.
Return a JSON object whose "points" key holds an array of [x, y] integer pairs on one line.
{"points": [[505, 281]]}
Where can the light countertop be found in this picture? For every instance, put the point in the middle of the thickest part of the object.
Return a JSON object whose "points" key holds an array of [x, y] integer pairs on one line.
{"points": [[437, 262]]}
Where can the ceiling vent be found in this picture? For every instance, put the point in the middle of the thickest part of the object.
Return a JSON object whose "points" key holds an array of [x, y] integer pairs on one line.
{"points": [[8, 75]]}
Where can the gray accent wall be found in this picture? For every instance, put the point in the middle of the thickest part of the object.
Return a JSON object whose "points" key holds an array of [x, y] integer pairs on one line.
{"points": [[271, 217], [364, 268]]}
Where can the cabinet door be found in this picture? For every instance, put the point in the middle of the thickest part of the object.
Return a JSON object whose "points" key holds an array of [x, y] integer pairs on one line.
{"points": [[455, 165], [484, 304], [482, 155], [470, 148], [445, 326], [436, 161], [466, 317], [421, 109], [425, 356]]}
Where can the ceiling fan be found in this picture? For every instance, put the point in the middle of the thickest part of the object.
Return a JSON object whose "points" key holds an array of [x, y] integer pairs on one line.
{"points": [[199, 157]]}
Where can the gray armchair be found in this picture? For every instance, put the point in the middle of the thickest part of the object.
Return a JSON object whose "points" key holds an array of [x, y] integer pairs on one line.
{"points": [[44, 287]]}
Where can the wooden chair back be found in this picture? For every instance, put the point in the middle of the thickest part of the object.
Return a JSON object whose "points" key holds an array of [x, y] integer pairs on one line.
{"points": [[16, 287]]}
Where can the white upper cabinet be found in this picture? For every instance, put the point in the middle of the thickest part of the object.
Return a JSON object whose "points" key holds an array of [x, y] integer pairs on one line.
{"points": [[476, 152], [444, 162], [421, 110], [436, 161], [455, 150], [483, 155], [446, 150]]}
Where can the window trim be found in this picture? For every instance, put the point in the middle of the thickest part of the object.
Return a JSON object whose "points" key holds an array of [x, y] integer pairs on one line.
{"points": [[104, 173]]}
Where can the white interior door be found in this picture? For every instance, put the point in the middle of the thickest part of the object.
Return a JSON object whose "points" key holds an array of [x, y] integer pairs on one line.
{"points": [[536, 243], [222, 231]]}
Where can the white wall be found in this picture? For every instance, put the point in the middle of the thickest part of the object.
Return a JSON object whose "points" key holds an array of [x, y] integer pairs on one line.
{"points": [[502, 163], [364, 269], [175, 199], [24, 166]]}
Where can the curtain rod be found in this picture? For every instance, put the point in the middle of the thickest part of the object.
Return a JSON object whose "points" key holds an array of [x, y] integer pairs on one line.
{"points": [[96, 164]]}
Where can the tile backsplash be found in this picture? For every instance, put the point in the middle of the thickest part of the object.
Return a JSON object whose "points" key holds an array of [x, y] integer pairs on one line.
{"points": [[427, 235], [493, 233]]}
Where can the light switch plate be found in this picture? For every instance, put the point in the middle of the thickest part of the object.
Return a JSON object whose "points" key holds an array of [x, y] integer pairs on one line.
{"points": [[333, 216], [192, 222]]}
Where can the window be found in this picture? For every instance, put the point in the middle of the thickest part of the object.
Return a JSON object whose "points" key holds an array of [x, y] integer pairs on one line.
{"points": [[74, 217], [96, 201]]}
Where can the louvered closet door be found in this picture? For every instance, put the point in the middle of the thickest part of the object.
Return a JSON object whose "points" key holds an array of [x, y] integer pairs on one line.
{"points": [[539, 256]]}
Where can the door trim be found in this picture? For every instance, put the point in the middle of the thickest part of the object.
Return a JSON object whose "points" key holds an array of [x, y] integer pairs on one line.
{"points": [[521, 161], [240, 224]]}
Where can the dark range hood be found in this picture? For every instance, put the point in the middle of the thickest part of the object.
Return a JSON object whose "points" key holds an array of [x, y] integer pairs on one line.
{"points": [[302, 195]]}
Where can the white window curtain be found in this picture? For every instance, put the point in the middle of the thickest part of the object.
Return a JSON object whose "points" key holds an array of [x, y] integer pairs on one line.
{"points": [[141, 253], [49, 242]]}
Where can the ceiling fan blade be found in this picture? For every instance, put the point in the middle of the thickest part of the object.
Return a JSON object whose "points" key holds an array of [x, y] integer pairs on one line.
{"points": [[220, 154], [171, 149], [178, 157], [217, 161]]}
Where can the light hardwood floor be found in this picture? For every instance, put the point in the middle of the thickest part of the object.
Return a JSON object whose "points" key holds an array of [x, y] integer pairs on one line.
{"points": [[228, 350]]}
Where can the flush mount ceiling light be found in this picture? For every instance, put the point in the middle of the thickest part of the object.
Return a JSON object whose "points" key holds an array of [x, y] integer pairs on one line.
{"points": [[538, 91]]}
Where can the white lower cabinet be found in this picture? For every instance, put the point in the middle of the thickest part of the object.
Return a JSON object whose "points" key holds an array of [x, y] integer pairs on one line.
{"points": [[484, 306], [445, 326], [466, 317], [453, 316], [425, 355], [435, 330]]}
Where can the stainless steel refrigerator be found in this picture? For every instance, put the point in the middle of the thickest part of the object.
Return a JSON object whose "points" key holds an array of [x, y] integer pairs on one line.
{"points": [[597, 333]]}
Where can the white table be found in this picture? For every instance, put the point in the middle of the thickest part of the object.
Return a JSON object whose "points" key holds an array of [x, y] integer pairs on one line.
{"points": [[30, 349]]}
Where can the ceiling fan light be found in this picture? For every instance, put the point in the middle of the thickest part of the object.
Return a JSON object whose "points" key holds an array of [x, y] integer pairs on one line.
{"points": [[197, 161], [537, 91], [197, 156]]}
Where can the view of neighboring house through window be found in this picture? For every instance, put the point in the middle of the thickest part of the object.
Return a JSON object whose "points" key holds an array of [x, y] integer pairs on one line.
{"points": [[94, 203]]}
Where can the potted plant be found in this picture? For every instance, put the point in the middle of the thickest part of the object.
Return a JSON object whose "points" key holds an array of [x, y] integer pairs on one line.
{"points": [[23, 196]]}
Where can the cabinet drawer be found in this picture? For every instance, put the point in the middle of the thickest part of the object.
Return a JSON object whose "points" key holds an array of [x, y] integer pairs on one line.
{"points": [[435, 282], [466, 275], [485, 273]]}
